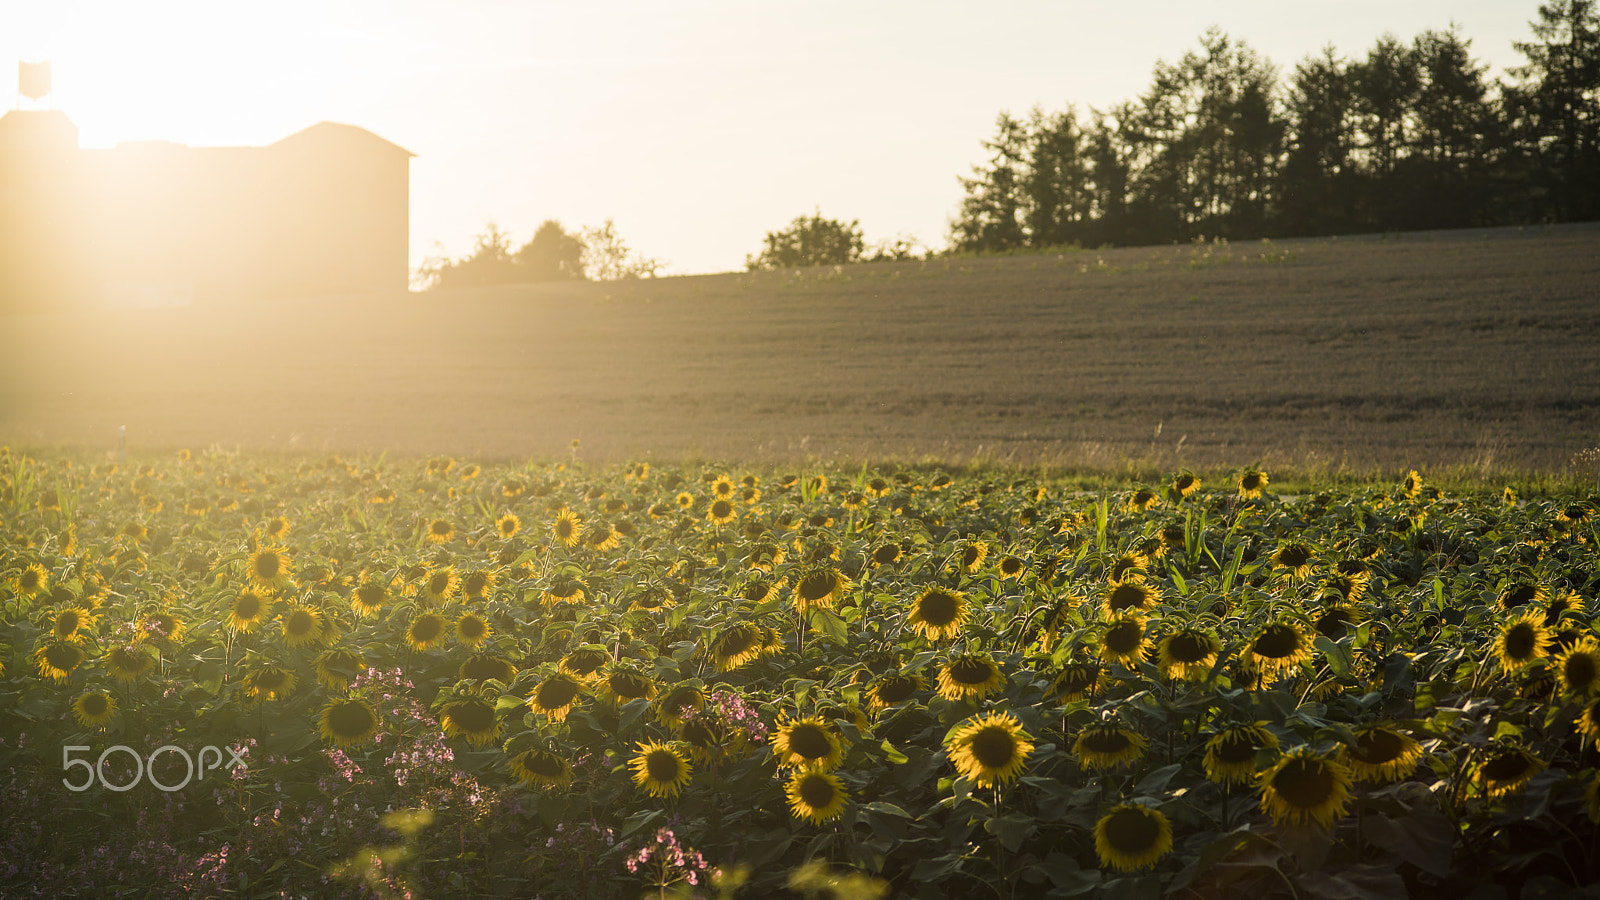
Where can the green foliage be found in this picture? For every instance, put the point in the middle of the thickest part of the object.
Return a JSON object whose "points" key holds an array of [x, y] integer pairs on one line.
{"points": [[810, 241], [552, 254]]}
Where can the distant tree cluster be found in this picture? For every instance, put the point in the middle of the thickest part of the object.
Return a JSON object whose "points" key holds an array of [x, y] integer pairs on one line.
{"points": [[816, 241], [553, 254], [1411, 136]]}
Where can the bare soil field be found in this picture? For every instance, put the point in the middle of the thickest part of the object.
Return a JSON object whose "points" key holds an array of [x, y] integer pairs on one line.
{"points": [[1478, 351]]}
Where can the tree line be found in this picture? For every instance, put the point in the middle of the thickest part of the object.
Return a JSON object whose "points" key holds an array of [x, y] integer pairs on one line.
{"points": [[1413, 135], [552, 254]]}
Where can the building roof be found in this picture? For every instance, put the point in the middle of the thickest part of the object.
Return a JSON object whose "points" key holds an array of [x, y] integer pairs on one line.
{"points": [[324, 133], [36, 128]]}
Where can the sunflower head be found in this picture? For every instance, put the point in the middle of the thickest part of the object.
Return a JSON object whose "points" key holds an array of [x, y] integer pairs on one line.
{"points": [[567, 529], [807, 743], [889, 689], [32, 581], [1075, 681], [94, 709], [820, 587], [1131, 837], [269, 569], [660, 769], [989, 749], [970, 676], [302, 625], [1231, 755], [1522, 640], [1125, 640], [621, 685], [1251, 484], [1184, 484], [1188, 653], [1279, 648], [938, 613], [1129, 597], [815, 795], [1106, 745], [507, 526], [1504, 770], [555, 696], [127, 662], [1381, 753], [369, 597], [472, 630], [248, 610], [348, 722], [268, 683], [336, 668], [678, 702], [442, 584], [1305, 786], [425, 632], [470, 718], [540, 768]]}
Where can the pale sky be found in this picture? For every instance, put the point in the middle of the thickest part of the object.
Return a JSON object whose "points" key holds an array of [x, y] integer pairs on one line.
{"points": [[696, 126]]}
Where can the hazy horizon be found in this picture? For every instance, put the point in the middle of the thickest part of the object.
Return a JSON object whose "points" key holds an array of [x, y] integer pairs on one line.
{"points": [[697, 128]]}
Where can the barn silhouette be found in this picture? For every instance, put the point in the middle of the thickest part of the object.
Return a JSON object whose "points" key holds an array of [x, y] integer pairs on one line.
{"points": [[323, 211]]}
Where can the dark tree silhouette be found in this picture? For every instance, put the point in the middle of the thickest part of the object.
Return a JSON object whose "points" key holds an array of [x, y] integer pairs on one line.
{"points": [[811, 241]]}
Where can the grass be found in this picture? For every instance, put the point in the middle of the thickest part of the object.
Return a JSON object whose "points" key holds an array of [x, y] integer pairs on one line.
{"points": [[1469, 356]]}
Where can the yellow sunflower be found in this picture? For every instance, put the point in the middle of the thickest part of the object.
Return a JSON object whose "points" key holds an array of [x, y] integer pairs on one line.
{"points": [[1411, 485], [441, 585], [989, 749], [1075, 681], [815, 795], [682, 700], [508, 525], [820, 587], [337, 667], [32, 581], [472, 630], [1278, 649], [1129, 597], [1507, 769], [1588, 721], [94, 709], [1131, 837], [440, 531], [721, 512], [1381, 753], [486, 667], [277, 528], [301, 626], [736, 645], [1188, 653], [470, 718], [973, 553], [268, 683], [1106, 745], [71, 624], [567, 529], [660, 769], [247, 611], [1305, 786], [938, 613], [564, 589], [269, 569], [1125, 640], [1251, 484], [585, 663], [425, 632], [807, 743], [476, 584], [554, 696], [970, 676], [889, 689], [540, 768], [1231, 755], [621, 685], [127, 663], [1523, 640], [369, 597], [1295, 559], [600, 537], [886, 554], [348, 722], [1184, 484]]}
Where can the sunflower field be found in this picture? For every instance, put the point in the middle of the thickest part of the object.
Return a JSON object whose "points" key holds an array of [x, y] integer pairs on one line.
{"points": [[252, 676]]}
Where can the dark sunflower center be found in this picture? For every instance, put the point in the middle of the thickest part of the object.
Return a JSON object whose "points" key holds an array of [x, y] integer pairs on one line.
{"points": [[62, 656], [809, 741], [1250, 482], [1506, 766], [815, 586], [299, 623], [67, 622], [271, 679], [721, 509], [1235, 749], [585, 661], [1294, 556], [1131, 831], [425, 629], [370, 594], [544, 765], [1010, 565], [564, 528], [248, 606], [485, 667], [895, 688], [629, 686], [970, 556], [441, 529], [994, 748], [1184, 482], [1076, 679], [1593, 715], [1123, 638], [565, 589], [736, 641], [662, 766], [95, 704], [1520, 641], [350, 719], [1277, 642], [1126, 596], [472, 628], [268, 565], [970, 671], [1378, 747], [1187, 647], [886, 554], [1106, 740], [1519, 595], [474, 716], [439, 582], [1304, 783], [556, 694], [817, 791], [476, 582], [938, 609], [757, 591]]}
